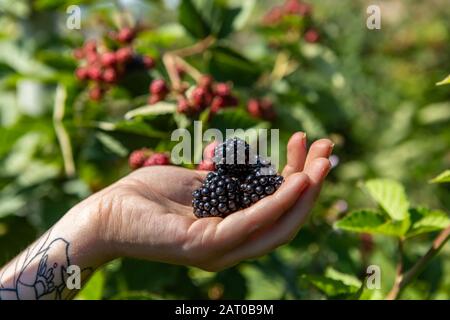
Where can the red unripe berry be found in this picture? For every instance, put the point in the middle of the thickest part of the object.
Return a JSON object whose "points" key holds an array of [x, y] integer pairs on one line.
{"points": [[206, 165], [273, 16], [222, 89], [253, 108], [159, 87], [92, 57], [311, 36], [95, 93], [124, 54], [108, 59], [148, 62], [138, 157], [261, 109], [305, 9], [157, 159], [90, 46], [109, 75], [183, 106], [78, 53], [126, 35], [94, 73], [82, 74], [201, 97], [217, 103], [206, 81]]}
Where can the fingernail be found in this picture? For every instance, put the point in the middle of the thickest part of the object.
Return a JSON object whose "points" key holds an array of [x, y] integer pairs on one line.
{"points": [[304, 139]]}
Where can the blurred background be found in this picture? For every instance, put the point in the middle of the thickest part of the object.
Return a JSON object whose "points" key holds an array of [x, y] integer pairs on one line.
{"points": [[66, 131]]}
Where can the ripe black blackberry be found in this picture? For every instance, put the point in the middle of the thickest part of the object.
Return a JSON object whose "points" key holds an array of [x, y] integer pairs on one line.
{"points": [[217, 197], [232, 157], [256, 186]]}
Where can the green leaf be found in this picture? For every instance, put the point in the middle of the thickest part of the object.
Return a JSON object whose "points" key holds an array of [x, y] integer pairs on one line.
{"points": [[93, 290], [112, 144], [444, 177], [347, 279], [226, 64], [373, 222], [424, 220], [445, 81], [134, 126], [192, 20], [390, 195], [331, 287], [21, 61], [307, 120], [153, 109], [233, 118], [228, 17]]}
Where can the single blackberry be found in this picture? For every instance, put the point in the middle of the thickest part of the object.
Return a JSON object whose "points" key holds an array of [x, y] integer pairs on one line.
{"points": [[217, 197], [255, 187], [232, 157]]}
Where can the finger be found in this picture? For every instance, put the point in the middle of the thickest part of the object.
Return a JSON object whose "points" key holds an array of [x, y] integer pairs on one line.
{"points": [[238, 226], [285, 229], [296, 154], [208, 153], [319, 149]]}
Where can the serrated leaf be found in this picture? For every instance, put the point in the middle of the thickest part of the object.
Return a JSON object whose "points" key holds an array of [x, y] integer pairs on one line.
{"points": [[390, 195], [444, 177], [153, 109], [371, 221], [331, 287], [424, 220], [192, 20], [445, 81]]}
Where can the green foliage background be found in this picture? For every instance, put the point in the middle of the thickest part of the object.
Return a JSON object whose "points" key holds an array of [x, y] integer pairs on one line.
{"points": [[372, 92]]}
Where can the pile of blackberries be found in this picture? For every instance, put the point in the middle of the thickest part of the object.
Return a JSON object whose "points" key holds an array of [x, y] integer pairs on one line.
{"points": [[241, 179]]}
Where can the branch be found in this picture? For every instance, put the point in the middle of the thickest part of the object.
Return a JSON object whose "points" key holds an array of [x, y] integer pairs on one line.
{"points": [[173, 58], [197, 48], [412, 273], [437, 245], [392, 295], [61, 133]]}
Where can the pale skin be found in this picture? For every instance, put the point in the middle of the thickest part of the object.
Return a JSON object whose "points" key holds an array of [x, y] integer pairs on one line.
{"points": [[148, 215]]}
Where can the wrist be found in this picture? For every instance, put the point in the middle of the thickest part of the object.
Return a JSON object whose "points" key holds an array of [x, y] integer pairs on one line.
{"points": [[84, 225]]}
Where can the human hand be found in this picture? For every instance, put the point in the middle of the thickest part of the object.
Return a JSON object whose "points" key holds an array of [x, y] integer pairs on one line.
{"points": [[148, 214]]}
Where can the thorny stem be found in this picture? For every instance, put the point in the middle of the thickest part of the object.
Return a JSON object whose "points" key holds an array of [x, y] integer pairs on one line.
{"points": [[412, 273]]}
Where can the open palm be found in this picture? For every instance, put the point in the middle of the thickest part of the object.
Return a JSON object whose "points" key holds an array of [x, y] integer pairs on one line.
{"points": [[149, 213]]}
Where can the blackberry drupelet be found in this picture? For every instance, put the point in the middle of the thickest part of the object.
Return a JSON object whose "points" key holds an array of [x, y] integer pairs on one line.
{"points": [[217, 197], [255, 187], [232, 157]]}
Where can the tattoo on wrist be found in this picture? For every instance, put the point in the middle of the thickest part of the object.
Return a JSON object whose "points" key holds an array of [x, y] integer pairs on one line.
{"points": [[40, 272]]}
